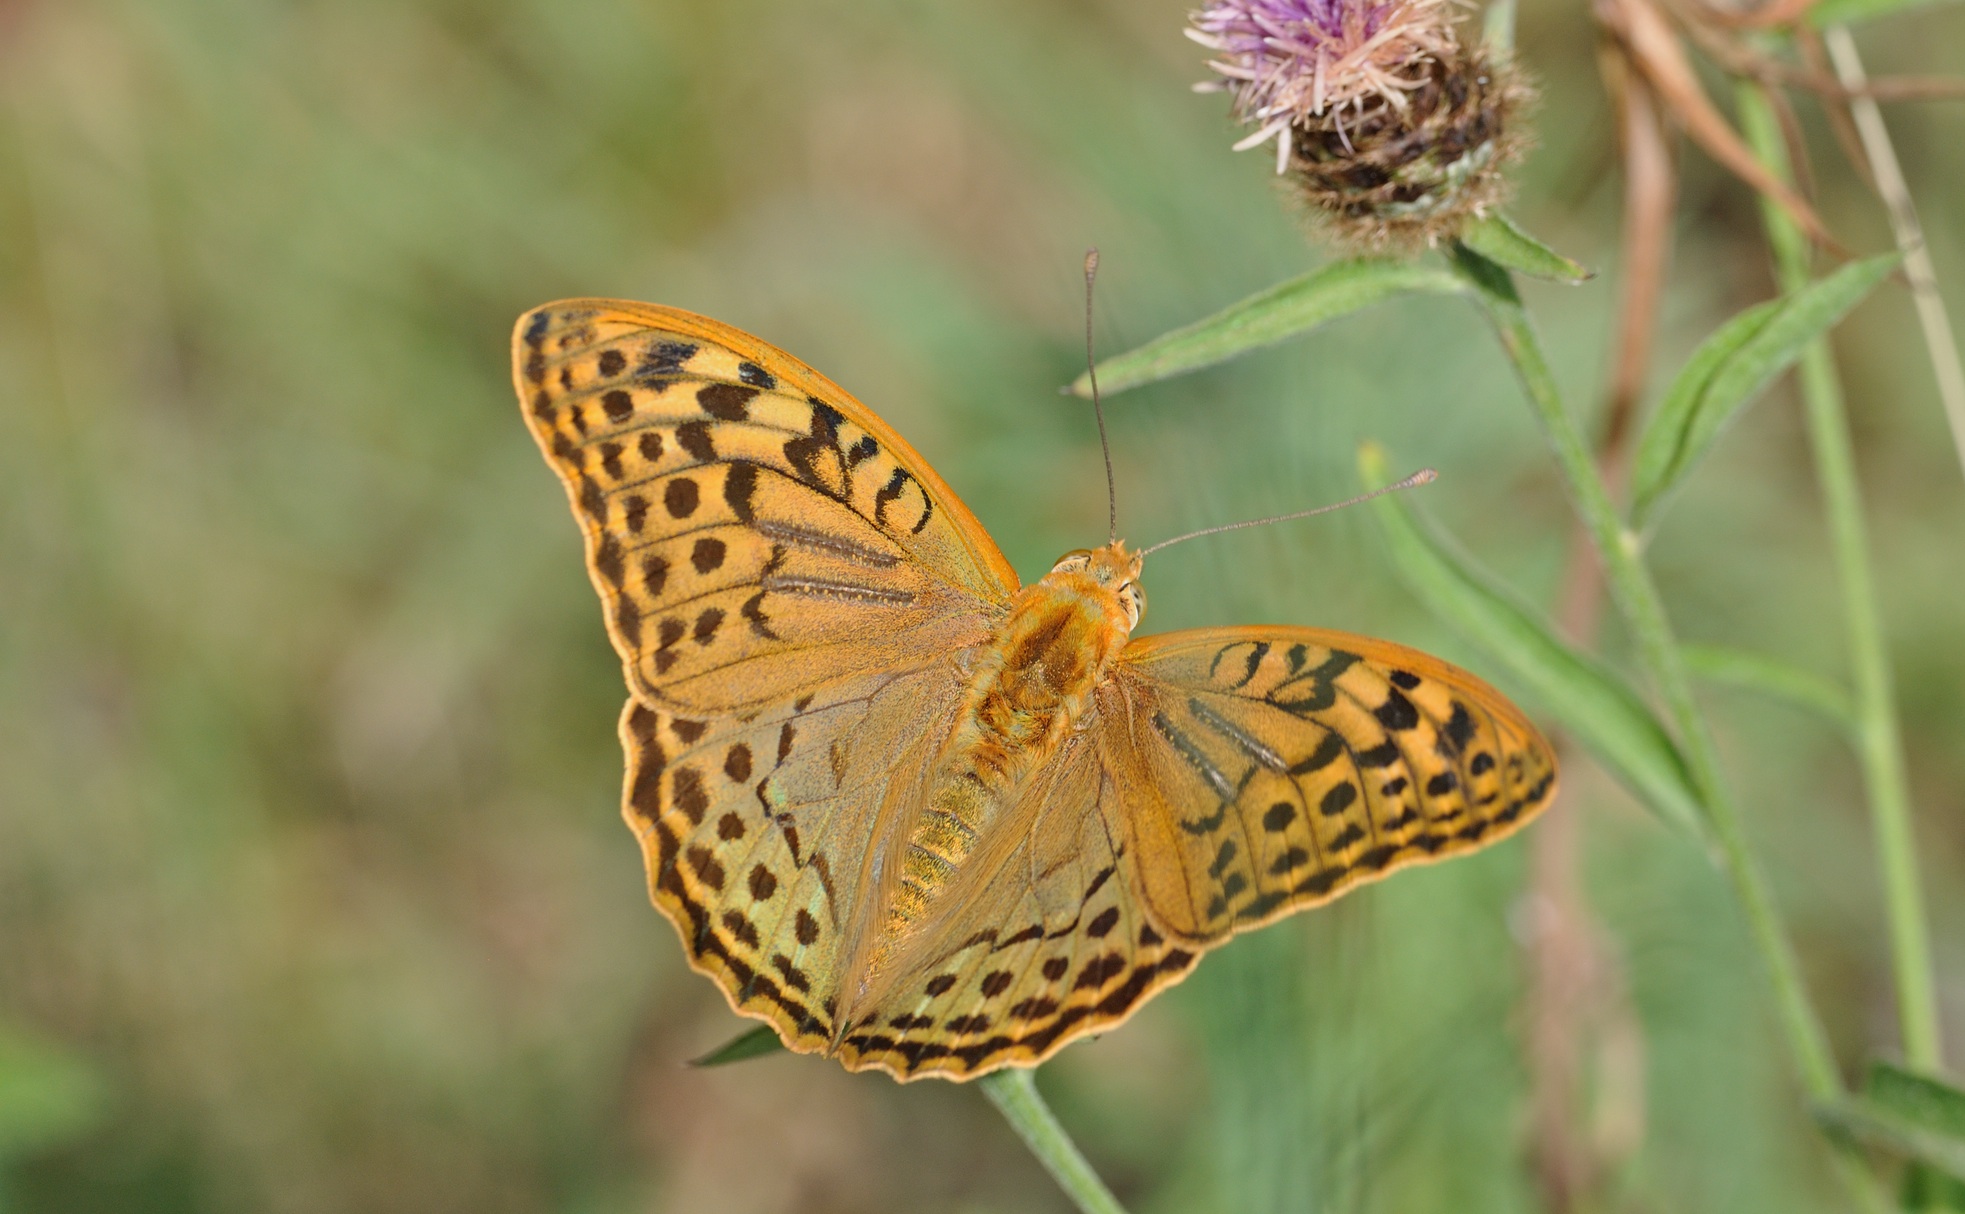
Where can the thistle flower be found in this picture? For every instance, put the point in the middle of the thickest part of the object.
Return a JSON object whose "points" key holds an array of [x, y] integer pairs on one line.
{"points": [[1391, 128]]}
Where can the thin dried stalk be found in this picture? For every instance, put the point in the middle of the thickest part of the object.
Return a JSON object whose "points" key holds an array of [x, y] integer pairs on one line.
{"points": [[1923, 276]]}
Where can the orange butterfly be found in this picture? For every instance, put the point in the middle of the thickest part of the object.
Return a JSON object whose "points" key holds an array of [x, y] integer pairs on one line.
{"points": [[913, 814]]}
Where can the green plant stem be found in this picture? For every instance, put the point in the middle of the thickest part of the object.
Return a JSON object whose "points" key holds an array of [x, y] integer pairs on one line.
{"points": [[1637, 600], [1877, 737], [1013, 1091]]}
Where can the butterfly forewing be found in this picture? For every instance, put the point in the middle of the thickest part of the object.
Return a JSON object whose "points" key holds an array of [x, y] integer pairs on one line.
{"points": [[1258, 770], [754, 531]]}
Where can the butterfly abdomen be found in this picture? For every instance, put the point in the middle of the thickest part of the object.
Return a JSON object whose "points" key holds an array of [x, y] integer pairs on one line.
{"points": [[1033, 683]]}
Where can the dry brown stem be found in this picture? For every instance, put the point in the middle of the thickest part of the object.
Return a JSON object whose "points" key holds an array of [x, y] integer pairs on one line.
{"points": [[1655, 50]]}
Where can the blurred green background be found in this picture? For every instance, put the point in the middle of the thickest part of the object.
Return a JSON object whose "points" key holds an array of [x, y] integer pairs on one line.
{"points": [[313, 893]]}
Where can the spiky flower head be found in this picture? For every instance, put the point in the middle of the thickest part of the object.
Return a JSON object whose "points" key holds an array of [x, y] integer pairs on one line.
{"points": [[1391, 127]]}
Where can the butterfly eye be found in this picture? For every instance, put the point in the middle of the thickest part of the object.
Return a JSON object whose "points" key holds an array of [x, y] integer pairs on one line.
{"points": [[1133, 599], [1073, 561]]}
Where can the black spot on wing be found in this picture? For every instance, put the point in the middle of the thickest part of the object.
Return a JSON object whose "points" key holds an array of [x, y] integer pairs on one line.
{"points": [[739, 487], [535, 328], [694, 437], [1397, 712], [680, 497], [665, 357], [1457, 732], [1384, 754], [726, 402]]}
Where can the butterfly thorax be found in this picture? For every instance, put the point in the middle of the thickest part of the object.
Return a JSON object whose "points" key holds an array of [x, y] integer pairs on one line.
{"points": [[1029, 688]]}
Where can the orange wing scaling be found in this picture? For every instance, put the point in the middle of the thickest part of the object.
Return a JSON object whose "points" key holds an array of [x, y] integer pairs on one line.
{"points": [[841, 704], [1257, 771]]}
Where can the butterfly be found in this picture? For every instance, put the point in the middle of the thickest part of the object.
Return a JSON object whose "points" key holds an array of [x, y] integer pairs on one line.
{"points": [[912, 813]]}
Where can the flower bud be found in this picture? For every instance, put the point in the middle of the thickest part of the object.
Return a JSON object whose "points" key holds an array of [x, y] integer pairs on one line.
{"points": [[1390, 129]]}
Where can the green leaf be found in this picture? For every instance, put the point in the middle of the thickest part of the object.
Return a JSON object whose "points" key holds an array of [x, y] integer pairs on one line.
{"points": [[1591, 701], [751, 1043], [1936, 1106], [1924, 1099], [1872, 1123], [1660, 444], [1848, 12], [1289, 309], [1728, 371], [1908, 1114], [1768, 676], [1919, 1117], [1498, 239]]}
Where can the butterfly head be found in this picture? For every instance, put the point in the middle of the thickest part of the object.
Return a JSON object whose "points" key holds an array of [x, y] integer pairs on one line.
{"points": [[1110, 572]]}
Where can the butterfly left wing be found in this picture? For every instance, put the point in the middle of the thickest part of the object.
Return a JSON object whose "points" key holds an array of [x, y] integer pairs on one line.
{"points": [[754, 531], [1256, 771], [791, 590]]}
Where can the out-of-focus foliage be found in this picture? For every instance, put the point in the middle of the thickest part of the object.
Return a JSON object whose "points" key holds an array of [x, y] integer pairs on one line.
{"points": [[308, 840]]}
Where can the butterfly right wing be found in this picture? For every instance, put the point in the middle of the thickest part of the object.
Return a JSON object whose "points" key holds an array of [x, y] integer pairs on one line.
{"points": [[1257, 771], [754, 531]]}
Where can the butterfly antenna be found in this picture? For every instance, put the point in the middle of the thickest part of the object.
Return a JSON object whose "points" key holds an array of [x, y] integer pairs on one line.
{"points": [[1098, 410], [1424, 476]]}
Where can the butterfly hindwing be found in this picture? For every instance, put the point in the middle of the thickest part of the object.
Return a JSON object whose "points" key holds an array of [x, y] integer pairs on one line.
{"points": [[753, 530], [756, 831], [1260, 770], [1051, 945]]}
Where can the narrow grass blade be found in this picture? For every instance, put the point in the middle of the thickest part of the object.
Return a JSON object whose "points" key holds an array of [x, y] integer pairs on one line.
{"points": [[1503, 242], [1288, 309], [1593, 703], [751, 1043], [1770, 677], [1730, 369]]}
